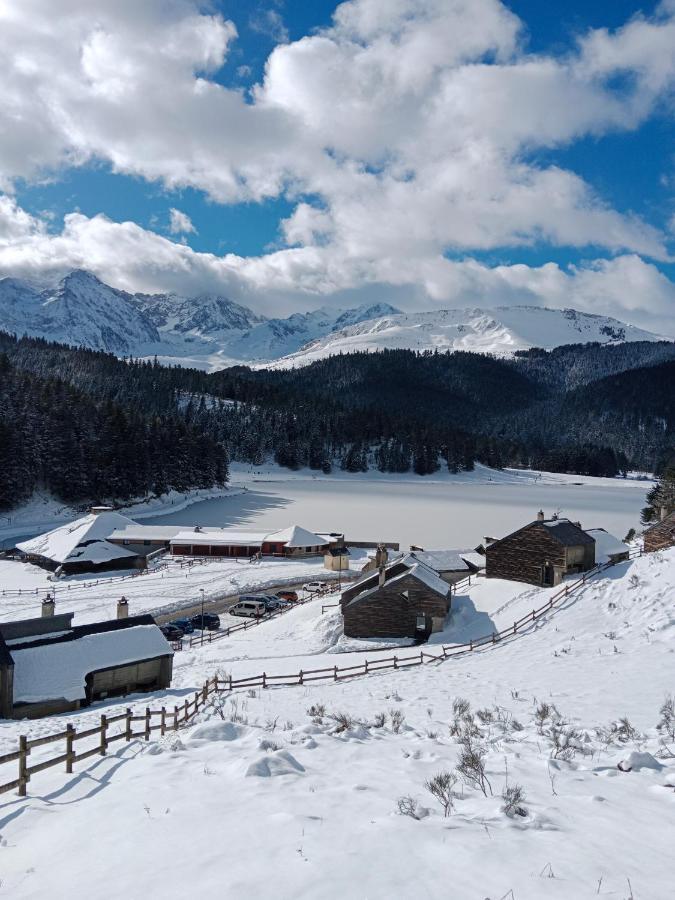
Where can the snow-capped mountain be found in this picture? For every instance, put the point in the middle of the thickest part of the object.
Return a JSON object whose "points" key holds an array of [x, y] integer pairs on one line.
{"points": [[501, 331], [80, 309], [210, 331]]}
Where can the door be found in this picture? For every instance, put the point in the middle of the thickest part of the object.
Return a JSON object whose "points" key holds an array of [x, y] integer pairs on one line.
{"points": [[548, 578]]}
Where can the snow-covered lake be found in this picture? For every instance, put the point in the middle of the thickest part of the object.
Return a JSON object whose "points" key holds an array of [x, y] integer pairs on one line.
{"points": [[442, 511]]}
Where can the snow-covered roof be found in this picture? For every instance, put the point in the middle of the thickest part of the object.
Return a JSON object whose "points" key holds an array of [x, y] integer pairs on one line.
{"points": [[219, 535], [99, 552], [606, 544], [58, 670], [295, 536], [419, 571], [59, 544], [441, 560], [134, 532], [473, 558]]}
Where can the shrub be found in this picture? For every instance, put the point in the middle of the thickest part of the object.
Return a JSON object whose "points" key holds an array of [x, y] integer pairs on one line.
{"points": [[343, 721], [317, 711], [514, 798], [407, 806], [471, 765], [541, 716], [441, 789], [667, 721], [380, 720], [397, 720], [564, 741]]}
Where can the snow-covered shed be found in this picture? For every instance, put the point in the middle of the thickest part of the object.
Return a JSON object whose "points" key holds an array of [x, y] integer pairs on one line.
{"points": [[83, 545], [47, 665], [607, 547], [402, 599]]}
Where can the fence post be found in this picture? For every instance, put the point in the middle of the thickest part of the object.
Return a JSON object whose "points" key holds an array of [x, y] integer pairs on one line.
{"points": [[175, 718], [533, 616], [205, 691], [70, 734], [471, 644], [24, 777], [230, 682], [421, 657], [335, 673], [162, 726], [264, 680], [300, 677], [366, 667], [185, 711], [196, 702], [515, 627], [129, 727], [395, 663], [147, 723], [104, 731]]}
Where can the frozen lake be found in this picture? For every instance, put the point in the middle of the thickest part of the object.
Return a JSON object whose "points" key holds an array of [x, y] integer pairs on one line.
{"points": [[431, 512]]}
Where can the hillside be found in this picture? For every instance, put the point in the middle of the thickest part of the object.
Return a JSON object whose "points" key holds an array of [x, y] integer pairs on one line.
{"points": [[306, 770], [501, 331]]}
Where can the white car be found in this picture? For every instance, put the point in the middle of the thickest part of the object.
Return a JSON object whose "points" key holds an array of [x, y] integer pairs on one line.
{"points": [[315, 587]]}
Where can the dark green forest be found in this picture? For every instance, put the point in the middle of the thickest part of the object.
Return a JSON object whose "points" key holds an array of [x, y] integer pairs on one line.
{"points": [[88, 426]]}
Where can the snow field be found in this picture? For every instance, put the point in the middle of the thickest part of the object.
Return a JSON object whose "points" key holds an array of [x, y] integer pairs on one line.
{"points": [[263, 796]]}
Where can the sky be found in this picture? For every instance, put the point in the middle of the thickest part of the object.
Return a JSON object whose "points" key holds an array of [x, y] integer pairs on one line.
{"points": [[290, 155]]}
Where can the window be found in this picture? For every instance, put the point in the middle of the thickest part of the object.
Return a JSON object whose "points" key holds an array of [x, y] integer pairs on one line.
{"points": [[421, 622]]}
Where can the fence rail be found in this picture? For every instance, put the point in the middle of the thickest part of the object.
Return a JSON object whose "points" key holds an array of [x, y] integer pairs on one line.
{"points": [[172, 719]]}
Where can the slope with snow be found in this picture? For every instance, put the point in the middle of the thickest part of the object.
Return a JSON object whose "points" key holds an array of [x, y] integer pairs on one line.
{"points": [[307, 781], [501, 331]]}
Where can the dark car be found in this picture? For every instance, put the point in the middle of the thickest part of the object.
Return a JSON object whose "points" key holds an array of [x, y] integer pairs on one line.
{"points": [[290, 596], [171, 633], [185, 625], [207, 622]]}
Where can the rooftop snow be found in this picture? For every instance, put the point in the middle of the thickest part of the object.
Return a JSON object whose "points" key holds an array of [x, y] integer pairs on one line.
{"points": [[420, 572], [135, 532], [53, 671], [441, 560], [219, 536], [606, 544], [295, 536], [59, 543]]}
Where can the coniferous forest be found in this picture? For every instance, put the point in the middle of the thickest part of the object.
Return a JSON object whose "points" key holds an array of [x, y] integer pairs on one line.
{"points": [[88, 426]]}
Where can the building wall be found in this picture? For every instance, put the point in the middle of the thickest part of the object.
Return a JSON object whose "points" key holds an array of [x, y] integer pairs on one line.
{"points": [[388, 613], [661, 535], [522, 556]]}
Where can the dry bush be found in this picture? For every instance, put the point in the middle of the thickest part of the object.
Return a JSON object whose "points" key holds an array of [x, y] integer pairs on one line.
{"points": [[343, 721], [407, 806], [270, 746], [485, 716], [565, 741], [316, 712], [471, 765], [514, 798], [397, 719], [380, 720], [441, 789], [667, 722], [541, 715]]}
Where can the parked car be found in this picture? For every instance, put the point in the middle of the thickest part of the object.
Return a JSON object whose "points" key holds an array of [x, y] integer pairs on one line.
{"points": [[251, 607], [209, 622], [315, 587], [171, 632], [291, 596], [185, 625]]}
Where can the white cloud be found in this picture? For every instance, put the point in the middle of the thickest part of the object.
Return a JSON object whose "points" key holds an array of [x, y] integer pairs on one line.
{"points": [[412, 123], [180, 222]]}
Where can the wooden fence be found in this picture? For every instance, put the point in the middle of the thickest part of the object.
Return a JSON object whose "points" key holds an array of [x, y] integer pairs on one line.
{"points": [[162, 720], [181, 714]]}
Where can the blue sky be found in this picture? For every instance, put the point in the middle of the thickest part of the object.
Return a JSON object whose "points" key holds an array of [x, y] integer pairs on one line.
{"points": [[626, 169], [303, 165]]}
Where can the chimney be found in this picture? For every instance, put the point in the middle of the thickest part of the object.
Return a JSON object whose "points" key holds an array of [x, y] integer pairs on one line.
{"points": [[382, 576], [48, 605], [540, 516], [381, 556], [122, 608]]}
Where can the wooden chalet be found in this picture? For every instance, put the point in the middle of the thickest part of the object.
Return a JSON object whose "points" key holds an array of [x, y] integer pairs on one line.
{"points": [[47, 665], [541, 553], [662, 534], [402, 599]]}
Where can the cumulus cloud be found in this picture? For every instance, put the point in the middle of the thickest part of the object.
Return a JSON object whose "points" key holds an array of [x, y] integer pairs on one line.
{"points": [[404, 134], [180, 222]]}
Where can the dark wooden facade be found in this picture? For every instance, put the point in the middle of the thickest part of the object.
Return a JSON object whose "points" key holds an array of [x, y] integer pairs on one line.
{"points": [[661, 535], [535, 555], [404, 606]]}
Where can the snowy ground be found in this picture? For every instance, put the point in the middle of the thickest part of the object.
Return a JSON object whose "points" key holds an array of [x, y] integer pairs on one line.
{"points": [[265, 798], [168, 588]]}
